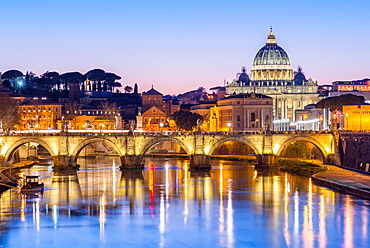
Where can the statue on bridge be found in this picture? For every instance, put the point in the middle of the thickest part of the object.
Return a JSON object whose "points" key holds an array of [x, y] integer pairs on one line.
{"points": [[267, 125], [199, 124], [131, 127]]}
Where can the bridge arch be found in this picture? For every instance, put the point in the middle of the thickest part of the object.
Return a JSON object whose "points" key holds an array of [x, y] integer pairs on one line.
{"points": [[305, 139], [162, 139], [223, 140], [11, 150], [86, 142]]}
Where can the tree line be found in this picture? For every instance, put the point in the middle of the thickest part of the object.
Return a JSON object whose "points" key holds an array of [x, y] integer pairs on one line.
{"points": [[93, 80]]}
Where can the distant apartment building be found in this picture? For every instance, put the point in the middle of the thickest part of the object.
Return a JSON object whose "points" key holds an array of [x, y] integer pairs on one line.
{"points": [[355, 87], [39, 114]]}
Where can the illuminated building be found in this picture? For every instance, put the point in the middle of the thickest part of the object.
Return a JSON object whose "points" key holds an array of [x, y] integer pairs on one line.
{"points": [[354, 85], [242, 112], [273, 76], [39, 114], [356, 117], [153, 118], [203, 109]]}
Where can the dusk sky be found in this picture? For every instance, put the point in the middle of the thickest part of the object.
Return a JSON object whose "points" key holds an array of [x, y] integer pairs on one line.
{"points": [[181, 45]]}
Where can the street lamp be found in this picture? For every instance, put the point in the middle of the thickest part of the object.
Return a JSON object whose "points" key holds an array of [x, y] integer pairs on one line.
{"points": [[160, 126], [229, 126]]}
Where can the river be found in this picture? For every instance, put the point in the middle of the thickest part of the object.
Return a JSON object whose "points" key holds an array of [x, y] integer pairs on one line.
{"points": [[167, 205]]}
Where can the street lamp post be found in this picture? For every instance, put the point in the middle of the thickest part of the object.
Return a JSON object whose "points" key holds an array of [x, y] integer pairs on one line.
{"points": [[229, 126], [160, 127]]}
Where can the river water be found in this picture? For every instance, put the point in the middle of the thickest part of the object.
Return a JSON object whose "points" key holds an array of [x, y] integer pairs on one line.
{"points": [[167, 205]]}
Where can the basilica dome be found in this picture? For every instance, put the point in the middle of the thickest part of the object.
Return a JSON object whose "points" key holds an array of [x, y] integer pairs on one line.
{"points": [[271, 54], [243, 77]]}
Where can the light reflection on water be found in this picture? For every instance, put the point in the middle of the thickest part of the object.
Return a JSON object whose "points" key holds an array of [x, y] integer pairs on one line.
{"points": [[168, 205]]}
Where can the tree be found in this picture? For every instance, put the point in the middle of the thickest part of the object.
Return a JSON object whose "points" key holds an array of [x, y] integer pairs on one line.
{"points": [[49, 80], [110, 113], [110, 81], [96, 76], [71, 111], [335, 104], [11, 76], [71, 77], [297, 149], [128, 89], [186, 120], [9, 112], [136, 89]]}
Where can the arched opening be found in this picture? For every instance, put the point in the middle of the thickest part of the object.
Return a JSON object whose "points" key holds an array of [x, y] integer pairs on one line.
{"points": [[302, 150], [164, 148], [30, 151], [97, 153], [234, 150]]}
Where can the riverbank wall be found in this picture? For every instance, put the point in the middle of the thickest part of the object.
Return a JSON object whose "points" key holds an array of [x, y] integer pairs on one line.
{"points": [[342, 188]]}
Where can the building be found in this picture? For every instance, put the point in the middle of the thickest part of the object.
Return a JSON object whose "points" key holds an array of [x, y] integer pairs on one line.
{"points": [[204, 109], [355, 87], [39, 114], [356, 117], [242, 112], [154, 116], [152, 98], [273, 76], [153, 119]]}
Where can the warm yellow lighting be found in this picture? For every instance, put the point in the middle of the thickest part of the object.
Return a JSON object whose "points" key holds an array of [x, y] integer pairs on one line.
{"points": [[327, 149], [276, 149], [207, 149]]}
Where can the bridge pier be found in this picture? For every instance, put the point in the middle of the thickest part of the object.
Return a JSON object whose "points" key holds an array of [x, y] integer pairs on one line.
{"points": [[267, 159], [64, 162], [199, 161], [131, 162]]}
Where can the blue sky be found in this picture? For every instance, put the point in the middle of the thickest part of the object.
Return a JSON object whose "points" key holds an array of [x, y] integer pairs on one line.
{"points": [[181, 45]]}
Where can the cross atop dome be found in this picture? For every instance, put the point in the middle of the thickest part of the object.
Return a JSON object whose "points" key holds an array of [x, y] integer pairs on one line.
{"points": [[271, 38]]}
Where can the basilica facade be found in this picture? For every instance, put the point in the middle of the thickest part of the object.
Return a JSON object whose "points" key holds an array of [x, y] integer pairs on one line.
{"points": [[273, 76]]}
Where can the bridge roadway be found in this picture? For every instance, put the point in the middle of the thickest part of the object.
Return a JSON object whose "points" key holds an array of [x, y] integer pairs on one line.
{"points": [[65, 147]]}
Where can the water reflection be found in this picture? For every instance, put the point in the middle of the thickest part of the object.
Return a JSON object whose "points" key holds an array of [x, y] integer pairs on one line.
{"points": [[232, 205]]}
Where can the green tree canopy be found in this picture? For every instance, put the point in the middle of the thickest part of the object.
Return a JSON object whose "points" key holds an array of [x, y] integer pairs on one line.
{"points": [[186, 120], [336, 103]]}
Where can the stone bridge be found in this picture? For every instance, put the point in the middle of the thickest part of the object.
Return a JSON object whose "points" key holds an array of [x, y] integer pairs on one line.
{"points": [[65, 147]]}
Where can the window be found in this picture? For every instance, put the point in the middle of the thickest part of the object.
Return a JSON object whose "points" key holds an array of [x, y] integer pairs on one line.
{"points": [[253, 116], [237, 102], [238, 118]]}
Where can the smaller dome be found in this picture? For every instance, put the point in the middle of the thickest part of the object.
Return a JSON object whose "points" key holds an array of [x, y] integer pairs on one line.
{"points": [[299, 77], [243, 77]]}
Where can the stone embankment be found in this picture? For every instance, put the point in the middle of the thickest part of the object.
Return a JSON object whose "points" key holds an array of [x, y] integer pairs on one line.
{"points": [[344, 180]]}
